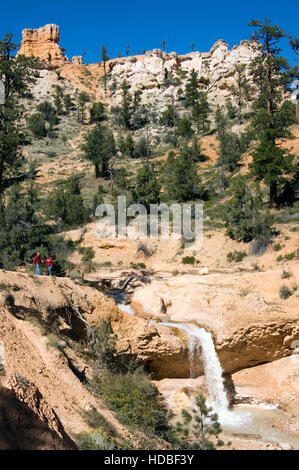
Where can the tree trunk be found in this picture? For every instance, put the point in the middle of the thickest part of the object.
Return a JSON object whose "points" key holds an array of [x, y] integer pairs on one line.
{"points": [[273, 193], [97, 170], [297, 109]]}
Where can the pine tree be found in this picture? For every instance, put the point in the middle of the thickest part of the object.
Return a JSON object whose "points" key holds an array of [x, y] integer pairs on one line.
{"points": [[129, 145], [241, 90], [126, 108], [68, 103], [97, 113], [82, 99], [246, 217], [99, 148], [49, 113], [192, 92], [294, 43], [201, 113], [184, 127], [36, 124], [105, 58], [272, 115], [16, 74], [58, 97], [147, 188], [182, 183], [169, 117], [199, 428]]}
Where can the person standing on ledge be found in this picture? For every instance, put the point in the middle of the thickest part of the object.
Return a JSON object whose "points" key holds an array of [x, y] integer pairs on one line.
{"points": [[37, 261], [49, 265]]}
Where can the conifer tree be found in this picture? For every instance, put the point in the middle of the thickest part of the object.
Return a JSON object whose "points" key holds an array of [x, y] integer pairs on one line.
{"points": [[99, 148], [105, 58], [97, 113], [82, 99], [182, 181], [272, 115], [246, 217], [201, 113], [192, 92], [294, 43], [147, 188], [241, 90], [16, 74], [126, 108]]}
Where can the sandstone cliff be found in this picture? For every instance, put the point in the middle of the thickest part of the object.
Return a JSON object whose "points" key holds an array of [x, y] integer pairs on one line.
{"points": [[42, 43]]}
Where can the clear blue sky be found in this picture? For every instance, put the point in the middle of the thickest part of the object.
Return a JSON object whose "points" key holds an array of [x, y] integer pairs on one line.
{"points": [[87, 25]]}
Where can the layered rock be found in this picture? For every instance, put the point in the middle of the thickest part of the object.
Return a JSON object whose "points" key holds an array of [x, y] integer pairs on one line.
{"points": [[43, 43]]}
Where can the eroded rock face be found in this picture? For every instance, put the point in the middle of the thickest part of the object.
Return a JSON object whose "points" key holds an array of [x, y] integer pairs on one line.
{"points": [[25, 428], [163, 352], [247, 329], [42, 43], [160, 75]]}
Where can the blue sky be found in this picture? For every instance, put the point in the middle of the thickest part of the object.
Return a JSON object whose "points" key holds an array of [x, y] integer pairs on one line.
{"points": [[87, 25]]}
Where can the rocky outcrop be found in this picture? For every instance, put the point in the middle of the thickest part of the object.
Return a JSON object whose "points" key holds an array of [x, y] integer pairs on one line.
{"points": [[25, 428], [77, 59], [161, 76], [249, 322], [43, 43], [163, 352]]}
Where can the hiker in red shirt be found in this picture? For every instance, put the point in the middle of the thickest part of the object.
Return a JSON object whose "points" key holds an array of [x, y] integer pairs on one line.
{"points": [[37, 260], [49, 264]]}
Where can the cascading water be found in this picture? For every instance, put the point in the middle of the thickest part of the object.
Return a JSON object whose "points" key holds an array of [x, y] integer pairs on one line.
{"points": [[213, 371], [255, 422]]}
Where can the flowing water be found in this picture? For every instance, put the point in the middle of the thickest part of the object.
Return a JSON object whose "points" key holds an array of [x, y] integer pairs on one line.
{"points": [[217, 397], [252, 422]]}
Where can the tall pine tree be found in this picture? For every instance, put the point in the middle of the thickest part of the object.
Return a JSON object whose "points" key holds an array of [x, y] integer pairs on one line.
{"points": [[272, 114]]}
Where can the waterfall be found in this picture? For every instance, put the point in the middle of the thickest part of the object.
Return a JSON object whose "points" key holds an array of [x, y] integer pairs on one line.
{"points": [[213, 371]]}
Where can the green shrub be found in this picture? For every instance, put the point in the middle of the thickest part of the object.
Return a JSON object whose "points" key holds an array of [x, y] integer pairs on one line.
{"points": [[96, 440], [290, 256], [285, 292], [236, 256], [286, 257], [189, 260], [36, 125], [277, 247], [134, 397], [286, 274], [137, 265], [106, 264], [95, 420]]}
